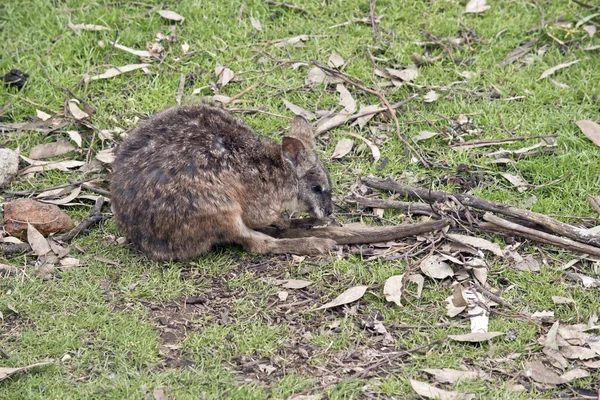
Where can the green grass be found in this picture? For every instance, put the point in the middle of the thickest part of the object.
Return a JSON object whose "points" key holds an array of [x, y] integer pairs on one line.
{"points": [[106, 317]]}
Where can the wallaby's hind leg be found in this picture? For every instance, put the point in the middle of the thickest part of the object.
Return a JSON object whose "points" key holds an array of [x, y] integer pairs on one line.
{"points": [[257, 242]]}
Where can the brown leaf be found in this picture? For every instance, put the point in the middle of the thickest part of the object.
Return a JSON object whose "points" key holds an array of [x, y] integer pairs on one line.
{"points": [[335, 60], [75, 111], [577, 352], [315, 76], [87, 27], [116, 71], [431, 392], [309, 116], [590, 48], [574, 374], [106, 156], [293, 283], [435, 267], [139, 53], [37, 241], [7, 372], [406, 75], [562, 300], [67, 199], [590, 129], [326, 124], [475, 337], [42, 115], [53, 149], [552, 70], [537, 371], [516, 181], [477, 243], [75, 136], [349, 296], [171, 15], [346, 99], [370, 111], [517, 53], [224, 75], [39, 166], [424, 135], [448, 375], [374, 149], [477, 6], [343, 147]]}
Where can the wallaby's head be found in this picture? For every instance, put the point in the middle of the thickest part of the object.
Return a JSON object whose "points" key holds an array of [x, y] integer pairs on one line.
{"points": [[314, 186]]}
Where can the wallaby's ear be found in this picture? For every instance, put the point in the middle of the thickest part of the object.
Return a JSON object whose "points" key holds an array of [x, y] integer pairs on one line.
{"points": [[293, 150], [302, 130]]}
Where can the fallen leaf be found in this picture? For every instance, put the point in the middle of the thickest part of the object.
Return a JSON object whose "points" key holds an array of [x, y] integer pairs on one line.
{"points": [[592, 364], [346, 99], [431, 392], [343, 147], [374, 149], [159, 394], [449, 375], [42, 115], [294, 283], [586, 19], [590, 129], [574, 374], [309, 116], [7, 372], [326, 124], [86, 27], [172, 15], [590, 48], [67, 199], [53, 149], [577, 352], [292, 40], [335, 60], [283, 295], [106, 156], [477, 243], [139, 53], [559, 84], [435, 267], [392, 289], [37, 241], [431, 96], [224, 75], [475, 337], [69, 262], [185, 48], [116, 71], [517, 53], [552, 70], [451, 309], [562, 300], [424, 135], [516, 181], [256, 24], [477, 6], [370, 111], [40, 166], [537, 371], [75, 111], [406, 75], [349, 296], [76, 137], [315, 76]]}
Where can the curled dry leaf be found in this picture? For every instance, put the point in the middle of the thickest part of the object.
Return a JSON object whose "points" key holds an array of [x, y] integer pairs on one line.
{"points": [[407, 75], [346, 99], [7, 372], [335, 60], [139, 53], [343, 147], [224, 75], [37, 241], [552, 70], [517, 53], [76, 137], [475, 337], [577, 353], [87, 27], [171, 15], [590, 129], [516, 181], [67, 199], [431, 392], [42, 115], [315, 76], [392, 290], [431, 96], [256, 24], [107, 156], [116, 71], [326, 124], [435, 267], [309, 116], [53, 149], [477, 6], [292, 40], [374, 149], [477, 243], [349, 296], [370, 112], [451, 309], [75, 111]]}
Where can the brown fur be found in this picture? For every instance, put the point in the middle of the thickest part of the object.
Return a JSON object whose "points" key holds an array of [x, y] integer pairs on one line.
{"points": [[194, 177]]}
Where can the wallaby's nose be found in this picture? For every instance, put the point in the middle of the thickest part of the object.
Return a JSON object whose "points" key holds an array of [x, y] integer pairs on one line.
{"points": [[329, 210]]}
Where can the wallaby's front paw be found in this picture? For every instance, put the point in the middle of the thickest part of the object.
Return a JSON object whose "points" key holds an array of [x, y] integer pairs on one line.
{"points": [[321, 246]]}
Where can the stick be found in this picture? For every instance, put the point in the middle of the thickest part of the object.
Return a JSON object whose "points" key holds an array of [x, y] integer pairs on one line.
{"points": [[411, 207], [180, 89], [95, 216], [289, 6], [570, 231], [358, 233]]}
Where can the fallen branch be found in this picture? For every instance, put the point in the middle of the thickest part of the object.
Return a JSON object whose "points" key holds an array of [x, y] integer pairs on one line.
{"points": [[560, 228], [411, 208]]}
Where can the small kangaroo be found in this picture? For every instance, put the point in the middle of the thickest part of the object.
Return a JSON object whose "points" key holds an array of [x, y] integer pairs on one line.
{"points": [[193, 177]]}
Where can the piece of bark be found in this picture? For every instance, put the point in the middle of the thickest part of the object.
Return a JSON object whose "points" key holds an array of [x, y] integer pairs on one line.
{"points": [[570, 231], [412, 208], [359, 233]]}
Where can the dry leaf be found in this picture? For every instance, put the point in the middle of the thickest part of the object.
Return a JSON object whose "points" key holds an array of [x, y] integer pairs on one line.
{"points": [[256, 24], [335, 60], [106, 156], [87, 27], [517, 53], [292, 40], [537, 371], [39, 166], [590, 129], [283, 295], [75, 136], [475, 337], [448, 375], [477, 6], [37, 241], [577, 352], [424, 135], [349, 296], [406, 75], [67, 199], [431, 96], [374, 149], [309, 116], [7, 372], [53, 149], [392, 290], [185, 48], [224, 75], [477, 243], [112, 72], [326, 124], [294, 283], [431, 392], [590, 48], [516, 181], [69, 262], [435, 267], [315, 76], [172, 15], [77, 112], [552, 70], [139, 53], [343, 147], [42, 115], [562, 300], [451, 309], [346, 99], [573, 374], [559, 84]]}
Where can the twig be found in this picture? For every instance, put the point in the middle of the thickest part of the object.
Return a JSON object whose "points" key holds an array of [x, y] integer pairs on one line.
{"points": [[256, 110], [95, 216], [543, 22], [383, 100], [91, 188], [431, 124], [180, 89], [504, 126], [412, 208], [5, 107], [488, 294], [30, 192], [594, 202], [372, 15], [243, 92], [33, 103], [112, 48], [394, 106], [289, 6], [499, 141]]}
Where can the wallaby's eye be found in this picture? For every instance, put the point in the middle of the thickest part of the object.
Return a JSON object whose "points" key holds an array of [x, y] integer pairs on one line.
{"points": [[317, 188]]}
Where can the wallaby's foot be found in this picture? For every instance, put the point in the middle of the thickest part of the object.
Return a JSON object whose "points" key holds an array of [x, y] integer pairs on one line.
{"points": [[257, 242]]}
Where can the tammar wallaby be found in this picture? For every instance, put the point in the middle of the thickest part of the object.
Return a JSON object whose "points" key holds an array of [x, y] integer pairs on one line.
{"points": [[193, 177]]}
